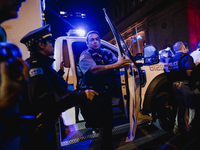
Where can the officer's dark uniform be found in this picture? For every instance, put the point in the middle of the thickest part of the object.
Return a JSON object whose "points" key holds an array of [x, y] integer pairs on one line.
{"points": [[194, 84], [46, 92], [185, 97], [98, 113], [178, 66], [9, 136]]}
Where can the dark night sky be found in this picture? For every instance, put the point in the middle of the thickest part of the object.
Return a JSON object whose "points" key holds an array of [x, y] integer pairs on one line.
{"points": [[60, 25]]}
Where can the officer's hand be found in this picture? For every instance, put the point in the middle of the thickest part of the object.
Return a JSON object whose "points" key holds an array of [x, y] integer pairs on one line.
{"points": [[123, 62], [196, 91], [90, 94], [62, 65], [10, 89]]}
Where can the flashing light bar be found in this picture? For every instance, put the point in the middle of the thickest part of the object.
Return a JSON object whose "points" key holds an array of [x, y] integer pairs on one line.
{"points": [[76, 32]]}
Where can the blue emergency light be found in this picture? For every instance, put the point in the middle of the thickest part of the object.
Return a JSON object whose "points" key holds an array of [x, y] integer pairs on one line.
{"points": [[76, 32]]}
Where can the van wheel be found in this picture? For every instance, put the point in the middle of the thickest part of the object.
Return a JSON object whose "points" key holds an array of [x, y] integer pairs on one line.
{"points": [[164, 111]]}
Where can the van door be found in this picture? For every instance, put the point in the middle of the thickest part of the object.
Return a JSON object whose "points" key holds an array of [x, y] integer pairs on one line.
{"points": [[130, 82], [63, 52]]}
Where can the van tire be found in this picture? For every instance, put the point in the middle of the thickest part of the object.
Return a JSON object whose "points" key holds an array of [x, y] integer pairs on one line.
{"points": [[164, 111]]}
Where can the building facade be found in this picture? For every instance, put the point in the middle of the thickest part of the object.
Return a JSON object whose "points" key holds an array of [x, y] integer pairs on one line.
{"points": [[159, 22]]}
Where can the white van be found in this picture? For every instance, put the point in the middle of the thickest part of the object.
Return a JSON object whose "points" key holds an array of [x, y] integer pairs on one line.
{"points": [[155, 91]]}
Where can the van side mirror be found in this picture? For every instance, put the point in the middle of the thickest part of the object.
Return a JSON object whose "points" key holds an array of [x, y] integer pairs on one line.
{"points": [[151, 55]]}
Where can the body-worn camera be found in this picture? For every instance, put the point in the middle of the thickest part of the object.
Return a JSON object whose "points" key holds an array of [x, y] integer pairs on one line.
{"points": [[8, 53]]}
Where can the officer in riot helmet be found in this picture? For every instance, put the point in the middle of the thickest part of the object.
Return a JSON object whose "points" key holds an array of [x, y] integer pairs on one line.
{"points": [[8, 10], [100, 67], [181, 66], [13, 78], [46, 95], [10, 88]]}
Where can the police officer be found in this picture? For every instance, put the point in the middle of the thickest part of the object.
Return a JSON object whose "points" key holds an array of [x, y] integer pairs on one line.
{"points": [[99, 67], [10, 88], [46, 95], [181, 66], [8, 10]]}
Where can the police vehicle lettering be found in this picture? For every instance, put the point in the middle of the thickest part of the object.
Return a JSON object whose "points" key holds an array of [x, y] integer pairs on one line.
{"points": [[173, 65], [157, 67]]}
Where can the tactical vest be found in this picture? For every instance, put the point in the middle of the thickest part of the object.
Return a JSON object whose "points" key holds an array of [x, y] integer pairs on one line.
{"points": [[105, 82], [177, 71], [102, 58]]}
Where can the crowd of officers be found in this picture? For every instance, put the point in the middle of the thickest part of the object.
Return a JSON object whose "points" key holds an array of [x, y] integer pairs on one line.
{"points": [[185, 77], [32, 99]]}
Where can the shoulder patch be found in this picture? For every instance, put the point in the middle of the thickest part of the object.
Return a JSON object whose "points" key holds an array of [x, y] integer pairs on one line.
{"points": [[35, 71], [81, 57], [35, 61]]}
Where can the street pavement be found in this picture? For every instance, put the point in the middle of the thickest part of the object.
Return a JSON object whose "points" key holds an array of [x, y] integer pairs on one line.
{"points": [[147, 137], [145, 132]]}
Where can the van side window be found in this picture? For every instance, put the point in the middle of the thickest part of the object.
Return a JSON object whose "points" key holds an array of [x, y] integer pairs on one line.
{"points": [[77, 48]]}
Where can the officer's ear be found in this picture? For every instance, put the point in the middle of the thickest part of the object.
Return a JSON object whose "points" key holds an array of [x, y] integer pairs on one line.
{"points": [[87, 43], [41, 44]]}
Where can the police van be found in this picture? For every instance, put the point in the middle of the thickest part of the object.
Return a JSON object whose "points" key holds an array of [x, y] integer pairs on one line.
{"points": [[155, 92]]}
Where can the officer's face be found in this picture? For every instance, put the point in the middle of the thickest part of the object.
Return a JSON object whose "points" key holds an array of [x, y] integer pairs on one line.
{"points": [[48, 49], [187, 50], [93, 41], [9, 9]]}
